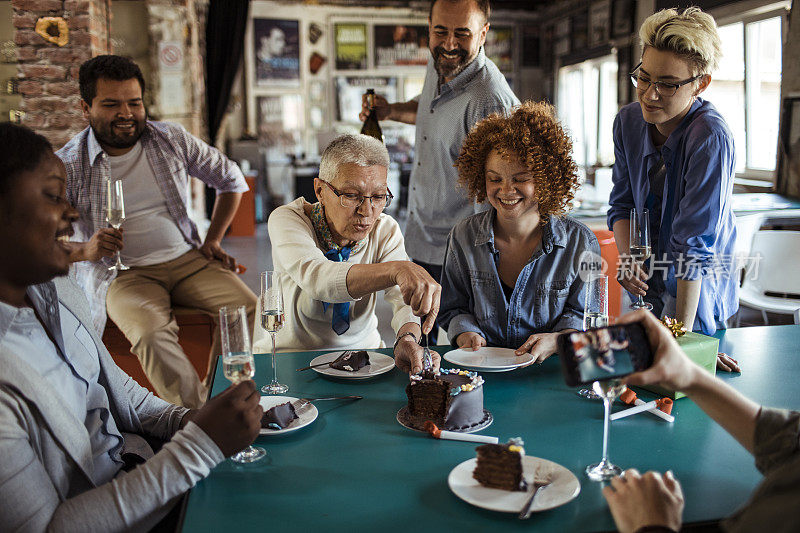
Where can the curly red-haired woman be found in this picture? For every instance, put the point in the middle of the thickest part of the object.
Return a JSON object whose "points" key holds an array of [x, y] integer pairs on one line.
{"points": [[511, 274]]}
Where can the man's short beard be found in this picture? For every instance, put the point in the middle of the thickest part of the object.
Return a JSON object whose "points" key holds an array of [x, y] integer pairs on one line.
{"points": [[108, 138], [450, 72]]}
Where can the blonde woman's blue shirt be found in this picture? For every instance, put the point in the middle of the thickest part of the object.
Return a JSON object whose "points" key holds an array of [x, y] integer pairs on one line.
{"points": [[697, 230]]}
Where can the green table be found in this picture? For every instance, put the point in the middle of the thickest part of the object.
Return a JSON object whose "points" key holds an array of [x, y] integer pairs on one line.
{"points": [[356, 469]]}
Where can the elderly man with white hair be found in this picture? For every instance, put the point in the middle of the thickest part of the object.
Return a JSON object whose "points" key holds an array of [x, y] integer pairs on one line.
{"points": [[336, 254]]}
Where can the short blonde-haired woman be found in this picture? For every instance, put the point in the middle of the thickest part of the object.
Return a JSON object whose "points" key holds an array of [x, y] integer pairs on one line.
{"points": [[674, 155]]}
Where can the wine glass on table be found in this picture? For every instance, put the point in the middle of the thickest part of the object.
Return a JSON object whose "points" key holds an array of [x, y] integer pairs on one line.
{"points": [[115, 213], [595, 315], [640, 247], [272, 318], [607, 390], [237, 362]]}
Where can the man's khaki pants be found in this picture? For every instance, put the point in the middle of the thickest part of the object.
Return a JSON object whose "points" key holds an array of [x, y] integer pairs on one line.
{"points": [[140, 302]]}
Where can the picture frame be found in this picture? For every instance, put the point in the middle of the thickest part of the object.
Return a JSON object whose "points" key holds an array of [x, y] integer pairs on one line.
{"points": [[599, 22], [622, 16], [276, 47]]}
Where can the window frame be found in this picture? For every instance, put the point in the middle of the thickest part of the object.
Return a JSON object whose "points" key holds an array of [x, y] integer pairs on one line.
{"points": [[753, 177]]}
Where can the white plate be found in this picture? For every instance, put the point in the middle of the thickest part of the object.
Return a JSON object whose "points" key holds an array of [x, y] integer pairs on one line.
{"points": [[378, 364], [303, 419], [488, 359], [564, 487]]}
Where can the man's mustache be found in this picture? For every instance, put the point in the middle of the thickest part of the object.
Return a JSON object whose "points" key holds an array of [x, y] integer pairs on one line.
{"points": [[438, 51]]}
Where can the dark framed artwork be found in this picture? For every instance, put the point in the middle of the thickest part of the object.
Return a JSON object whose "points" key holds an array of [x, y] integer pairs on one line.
{"points": [[400, 45], [623, 13], [277, 47], [599, 22]]}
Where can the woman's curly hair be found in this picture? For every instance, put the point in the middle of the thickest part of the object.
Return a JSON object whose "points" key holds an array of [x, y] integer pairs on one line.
{"points": [[533, 135]]}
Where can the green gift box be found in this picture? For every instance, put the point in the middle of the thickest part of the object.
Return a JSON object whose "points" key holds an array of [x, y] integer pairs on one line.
{"points": [[701, 349]]}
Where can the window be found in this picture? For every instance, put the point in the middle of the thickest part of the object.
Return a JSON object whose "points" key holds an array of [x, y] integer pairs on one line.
{"points": [[587, 105], [746, 90]]}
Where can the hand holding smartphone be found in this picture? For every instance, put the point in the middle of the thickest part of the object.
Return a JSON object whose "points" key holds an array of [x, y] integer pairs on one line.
{"points": [[601, 354]]}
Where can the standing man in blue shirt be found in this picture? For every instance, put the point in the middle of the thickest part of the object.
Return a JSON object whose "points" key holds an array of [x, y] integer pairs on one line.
{"points": [[674, 155], [462, 87]]}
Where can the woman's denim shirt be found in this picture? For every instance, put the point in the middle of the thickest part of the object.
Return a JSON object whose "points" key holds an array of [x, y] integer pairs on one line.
{"points": [[548, 295]]}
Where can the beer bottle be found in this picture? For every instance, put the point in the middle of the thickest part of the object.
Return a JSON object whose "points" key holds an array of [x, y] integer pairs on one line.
{"points": [[371, 126]]}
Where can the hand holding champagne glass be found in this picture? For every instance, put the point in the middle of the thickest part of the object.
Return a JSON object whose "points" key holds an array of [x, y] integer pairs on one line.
{"points": [[595, 315], [640, 247], [115, 213], [608, 391], [237, 362], [272, 318]]}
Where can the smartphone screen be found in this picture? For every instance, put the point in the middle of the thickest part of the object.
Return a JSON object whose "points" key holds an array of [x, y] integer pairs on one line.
{"points": [[604, 353]]}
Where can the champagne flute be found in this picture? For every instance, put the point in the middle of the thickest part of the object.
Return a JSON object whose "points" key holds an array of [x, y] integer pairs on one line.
{"points": [[115, 213], [237, 362], [640, 247], [595, 315], [272, 318], [608, 391]]}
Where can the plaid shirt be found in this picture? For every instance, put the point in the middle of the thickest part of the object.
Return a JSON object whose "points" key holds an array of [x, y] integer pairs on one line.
{"points": [[174, 155]]}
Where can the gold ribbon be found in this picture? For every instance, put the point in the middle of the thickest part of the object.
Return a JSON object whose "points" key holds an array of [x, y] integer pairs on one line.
{"points": [[675, 326]]}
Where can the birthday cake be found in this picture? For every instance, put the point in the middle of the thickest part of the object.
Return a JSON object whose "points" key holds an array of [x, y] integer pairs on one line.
{"points": [[351, 361], [278, 417], [452, 399], [499, 466]]}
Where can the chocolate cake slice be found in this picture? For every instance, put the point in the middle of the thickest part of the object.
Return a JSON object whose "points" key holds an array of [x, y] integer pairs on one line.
{"points": [[351, 361], [278, 417], [499, 466]]}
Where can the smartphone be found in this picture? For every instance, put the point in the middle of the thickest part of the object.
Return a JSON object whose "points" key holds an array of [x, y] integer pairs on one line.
{"points": [[600, 354]]}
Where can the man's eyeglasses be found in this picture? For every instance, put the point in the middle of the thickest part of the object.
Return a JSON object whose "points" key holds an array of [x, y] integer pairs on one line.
{"points": [[351, 199], [663, 88]]}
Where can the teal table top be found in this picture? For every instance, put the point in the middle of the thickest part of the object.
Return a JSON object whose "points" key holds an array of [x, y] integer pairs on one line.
{"points": [[356, 469]]}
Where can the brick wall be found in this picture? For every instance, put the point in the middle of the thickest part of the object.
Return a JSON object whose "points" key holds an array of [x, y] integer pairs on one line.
{"points": [[49, 73]]}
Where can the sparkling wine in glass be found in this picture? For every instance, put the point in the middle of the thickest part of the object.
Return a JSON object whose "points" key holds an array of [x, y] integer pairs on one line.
{"points": [[595, 315], [272, 318], [640, 247], [237, 362], [115, 213], [608, 391]]}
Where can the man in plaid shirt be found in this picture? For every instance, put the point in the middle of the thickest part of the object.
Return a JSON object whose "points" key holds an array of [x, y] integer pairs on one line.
{"points": [[169, 264]]}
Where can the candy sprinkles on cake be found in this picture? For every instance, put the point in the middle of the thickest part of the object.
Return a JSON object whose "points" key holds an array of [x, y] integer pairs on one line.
{"points": [[475, 380]]}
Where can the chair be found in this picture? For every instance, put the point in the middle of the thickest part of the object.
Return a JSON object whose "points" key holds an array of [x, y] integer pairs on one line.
{"points": [[195, 336], [770, 283]]}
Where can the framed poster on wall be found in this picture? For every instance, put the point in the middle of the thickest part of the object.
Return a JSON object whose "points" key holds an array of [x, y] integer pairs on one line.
{"points": [[350, 42], [498, 47], [280, 120], [401, 45], [350, 88], [623, 13], [277, 51], [599, 22]]}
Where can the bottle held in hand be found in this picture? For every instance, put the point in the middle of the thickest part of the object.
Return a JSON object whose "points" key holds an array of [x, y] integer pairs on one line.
{"points": [[371, 125]]}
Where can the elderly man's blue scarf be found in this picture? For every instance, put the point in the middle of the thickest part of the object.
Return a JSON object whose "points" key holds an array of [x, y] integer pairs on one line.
{"points": [[341, 311]]}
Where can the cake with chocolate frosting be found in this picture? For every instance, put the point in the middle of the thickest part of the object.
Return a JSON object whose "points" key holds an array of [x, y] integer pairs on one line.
{"points": [[499, 466], [351, 361], [451, 398], [278, 417]]}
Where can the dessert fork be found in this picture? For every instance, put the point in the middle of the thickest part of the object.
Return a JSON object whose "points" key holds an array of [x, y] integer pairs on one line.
{"points": [[303, 403], [541, 479]]}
